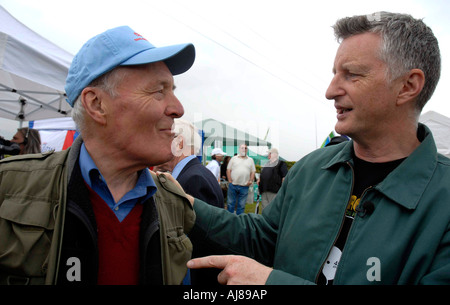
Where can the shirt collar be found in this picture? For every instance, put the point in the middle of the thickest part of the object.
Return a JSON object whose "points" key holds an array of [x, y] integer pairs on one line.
{"points": [[145, 185], [180, 165], [405, 184]]}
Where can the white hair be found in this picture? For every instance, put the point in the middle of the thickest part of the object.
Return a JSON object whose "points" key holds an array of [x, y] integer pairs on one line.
{"points": [[107, 82], [190, 134]]}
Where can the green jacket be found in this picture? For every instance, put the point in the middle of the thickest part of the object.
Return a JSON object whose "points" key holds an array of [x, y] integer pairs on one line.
{"points": [[33, 201], [406, 240]]}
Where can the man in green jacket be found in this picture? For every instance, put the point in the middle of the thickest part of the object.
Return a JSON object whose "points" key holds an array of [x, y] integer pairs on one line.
{"points": [[95, 214], [374, 210]]}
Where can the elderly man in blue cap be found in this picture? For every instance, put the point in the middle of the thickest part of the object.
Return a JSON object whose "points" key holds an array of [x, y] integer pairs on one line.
{"points": [[95, 214]]}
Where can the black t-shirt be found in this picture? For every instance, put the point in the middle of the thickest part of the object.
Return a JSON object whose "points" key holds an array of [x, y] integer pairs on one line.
{"points": [[367, 174]]}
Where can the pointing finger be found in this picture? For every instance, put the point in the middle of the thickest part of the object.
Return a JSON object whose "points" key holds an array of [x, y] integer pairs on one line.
{"points": [[213, 261]]}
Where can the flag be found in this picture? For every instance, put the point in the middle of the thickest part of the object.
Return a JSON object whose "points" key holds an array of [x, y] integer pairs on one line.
{"points": [[328, 139]]}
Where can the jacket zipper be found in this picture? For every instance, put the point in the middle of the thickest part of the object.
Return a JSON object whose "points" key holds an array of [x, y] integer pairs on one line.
{"points": [[342, 224], [351, 225], [340, 228]]}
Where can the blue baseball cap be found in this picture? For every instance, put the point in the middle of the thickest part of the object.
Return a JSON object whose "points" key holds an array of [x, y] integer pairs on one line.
{"points": [[121, 46]]}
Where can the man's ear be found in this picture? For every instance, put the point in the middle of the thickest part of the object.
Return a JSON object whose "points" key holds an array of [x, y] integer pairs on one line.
{"points": [[413, 84], [91, 97], [181, 143]]}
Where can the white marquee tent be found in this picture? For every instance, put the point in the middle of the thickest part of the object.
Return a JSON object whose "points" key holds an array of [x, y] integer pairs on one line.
{"points": [[56, 134], [440, 127], [33, 71]]}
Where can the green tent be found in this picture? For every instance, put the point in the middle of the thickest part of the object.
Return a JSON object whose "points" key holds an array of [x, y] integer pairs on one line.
{"points": [[232, 150], [218, 134]]}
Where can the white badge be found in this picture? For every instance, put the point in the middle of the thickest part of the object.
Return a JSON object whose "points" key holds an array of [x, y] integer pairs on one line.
{"points": [[330, 267]]}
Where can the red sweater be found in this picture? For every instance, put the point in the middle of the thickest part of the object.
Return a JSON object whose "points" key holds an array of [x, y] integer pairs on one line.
{"points": [[118, 243]]}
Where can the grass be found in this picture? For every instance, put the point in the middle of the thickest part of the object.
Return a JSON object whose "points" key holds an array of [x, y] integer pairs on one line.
{"points": [[249, 208]]}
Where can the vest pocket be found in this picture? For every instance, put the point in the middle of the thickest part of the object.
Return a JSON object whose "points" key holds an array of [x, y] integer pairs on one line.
{"points": [[27, 225], [180, 251], [178, 240]]}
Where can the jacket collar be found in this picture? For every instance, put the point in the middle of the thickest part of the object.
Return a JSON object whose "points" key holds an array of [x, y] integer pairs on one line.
{"points": [[406, 184], [74, 152], [192, 162]]}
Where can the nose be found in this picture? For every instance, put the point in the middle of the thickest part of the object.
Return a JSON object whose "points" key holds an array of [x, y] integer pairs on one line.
{"points": [[334, 89], [174, 109]]}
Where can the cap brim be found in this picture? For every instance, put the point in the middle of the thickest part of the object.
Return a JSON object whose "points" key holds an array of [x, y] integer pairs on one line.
{"points": [[178, 58]]}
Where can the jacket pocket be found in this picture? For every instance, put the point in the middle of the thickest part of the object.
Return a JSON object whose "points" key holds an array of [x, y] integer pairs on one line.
{"points": [[180, 251], [27, 225]]}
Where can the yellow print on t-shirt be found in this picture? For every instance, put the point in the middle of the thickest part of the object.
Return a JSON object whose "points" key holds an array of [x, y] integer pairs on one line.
{"points": [[352, 205]]}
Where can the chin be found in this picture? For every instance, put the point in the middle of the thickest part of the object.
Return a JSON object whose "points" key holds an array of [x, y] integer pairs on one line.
{"points": [[342, 129], [339, 129], [161, 158]]}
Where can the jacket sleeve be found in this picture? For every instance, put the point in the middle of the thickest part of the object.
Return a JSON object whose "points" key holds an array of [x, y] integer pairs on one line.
{"points": [[439, 271], [278, 277], [231, 230], [247, 234], [199, 187]]}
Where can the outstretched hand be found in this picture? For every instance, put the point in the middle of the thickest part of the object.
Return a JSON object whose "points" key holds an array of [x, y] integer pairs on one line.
{"points": [[237, 270], [171, 178]]}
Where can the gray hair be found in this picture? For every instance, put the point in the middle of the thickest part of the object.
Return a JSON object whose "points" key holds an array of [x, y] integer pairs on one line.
{"points": [[108, 83], [190, 134], [407, 44]]}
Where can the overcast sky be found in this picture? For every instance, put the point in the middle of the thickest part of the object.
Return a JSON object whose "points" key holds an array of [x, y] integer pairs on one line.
{"points": [[259, 65]]}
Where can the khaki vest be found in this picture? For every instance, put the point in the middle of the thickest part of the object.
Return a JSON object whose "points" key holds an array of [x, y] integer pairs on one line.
{"points": [[32, 208]]}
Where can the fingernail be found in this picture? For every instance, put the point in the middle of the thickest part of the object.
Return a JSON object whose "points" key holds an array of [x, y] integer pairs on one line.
{"points": [[190, 264]]}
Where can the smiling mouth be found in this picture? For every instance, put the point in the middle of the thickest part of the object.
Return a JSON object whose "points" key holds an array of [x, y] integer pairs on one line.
{"points": [[343, 110], [168, 131]]}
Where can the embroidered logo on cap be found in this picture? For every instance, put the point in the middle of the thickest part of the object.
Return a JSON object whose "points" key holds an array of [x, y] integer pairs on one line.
{"points": [[139, 37]]}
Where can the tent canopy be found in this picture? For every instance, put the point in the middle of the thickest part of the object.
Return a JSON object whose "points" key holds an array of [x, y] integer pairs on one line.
{"points": [[215, 131], [221, 135], [33, 71], [440, 127]]}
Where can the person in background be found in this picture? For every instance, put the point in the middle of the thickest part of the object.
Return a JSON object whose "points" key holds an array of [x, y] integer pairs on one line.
{"points": [[241, 173], [336, 140], [223, 176], [188, 170], [28, 139], [195, 179], [223, 168], [271, 178], [165, 167], [8, 148], [214, 166]]}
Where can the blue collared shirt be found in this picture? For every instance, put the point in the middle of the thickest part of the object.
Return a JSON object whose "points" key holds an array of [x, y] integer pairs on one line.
{"points": [[180, 165], [144, 188]]}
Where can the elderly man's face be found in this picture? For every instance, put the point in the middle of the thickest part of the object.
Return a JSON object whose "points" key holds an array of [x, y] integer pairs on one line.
{"points": [[243, 150], [142, 114], [364, 101]]}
